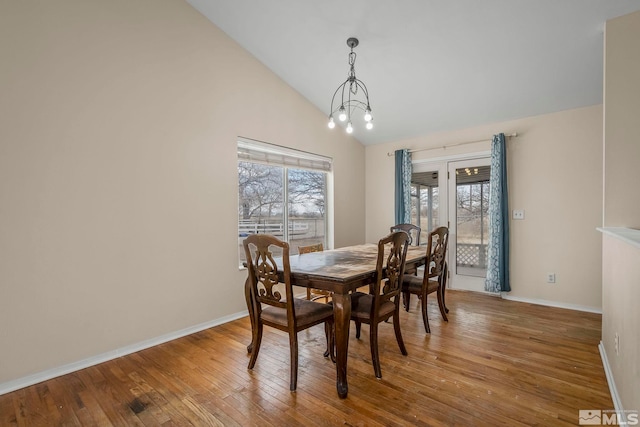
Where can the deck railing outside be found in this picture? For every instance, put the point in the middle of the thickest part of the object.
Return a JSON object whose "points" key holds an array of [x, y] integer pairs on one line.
{"points": [[275, 228], [471, 255]]}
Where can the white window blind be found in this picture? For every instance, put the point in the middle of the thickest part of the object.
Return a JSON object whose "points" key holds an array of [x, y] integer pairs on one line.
{"points": [[270, 154]]}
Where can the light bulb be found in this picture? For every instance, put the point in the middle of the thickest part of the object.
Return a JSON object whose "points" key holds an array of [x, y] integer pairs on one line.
{"points": [[343, 114], [349, 128], [369, 125], [331, 124], [367, 116]]}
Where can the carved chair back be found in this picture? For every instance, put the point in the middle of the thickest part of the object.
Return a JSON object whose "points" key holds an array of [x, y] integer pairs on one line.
{"points": [[318, 247], [436, 253], [392, 254], [412, 230], [263, 274]]}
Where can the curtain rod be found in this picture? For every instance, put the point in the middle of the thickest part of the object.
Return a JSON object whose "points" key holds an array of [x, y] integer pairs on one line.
{"points": [[444, 147]]}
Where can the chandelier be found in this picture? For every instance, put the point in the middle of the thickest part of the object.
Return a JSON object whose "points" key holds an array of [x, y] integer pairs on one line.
{"points": [[348, 91]]}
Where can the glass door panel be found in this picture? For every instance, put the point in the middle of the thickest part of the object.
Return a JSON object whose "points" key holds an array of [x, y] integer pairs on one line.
{"points": [[469, 184]]}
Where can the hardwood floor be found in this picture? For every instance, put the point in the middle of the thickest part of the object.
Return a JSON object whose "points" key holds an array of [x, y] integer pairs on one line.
{"points": [[496, 362]]}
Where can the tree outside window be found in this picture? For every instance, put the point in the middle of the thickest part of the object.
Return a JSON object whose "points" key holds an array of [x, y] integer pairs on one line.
{"points": [[263, 193]]}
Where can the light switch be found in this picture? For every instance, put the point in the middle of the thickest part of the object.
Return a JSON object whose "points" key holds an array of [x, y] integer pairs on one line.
{"points": [[518, 214]]}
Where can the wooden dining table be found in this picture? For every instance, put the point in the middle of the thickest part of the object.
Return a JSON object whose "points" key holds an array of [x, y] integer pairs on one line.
{"points": [[340, 271]]}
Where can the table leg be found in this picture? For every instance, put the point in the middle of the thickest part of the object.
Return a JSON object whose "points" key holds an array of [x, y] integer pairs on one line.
{"points": [[247, 296], [342, 315]]}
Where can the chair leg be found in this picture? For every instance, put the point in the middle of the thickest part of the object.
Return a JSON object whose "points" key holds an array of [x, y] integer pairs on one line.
{"points": [[249, 301], [396, 328], [330, 336], [425, 319], [332, 342], [444, 286], [308, 293], [358, 327], [375, 356], [443, 308], [327, 339], [406, 299], [255, 344], [293, 344]]}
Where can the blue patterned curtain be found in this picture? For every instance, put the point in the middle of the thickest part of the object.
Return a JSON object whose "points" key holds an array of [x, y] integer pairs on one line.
{"points": [[498, 262], [403, 187]]}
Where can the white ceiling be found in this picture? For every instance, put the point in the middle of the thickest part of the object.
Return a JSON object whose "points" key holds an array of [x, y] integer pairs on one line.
{"points": [[430, 65]]}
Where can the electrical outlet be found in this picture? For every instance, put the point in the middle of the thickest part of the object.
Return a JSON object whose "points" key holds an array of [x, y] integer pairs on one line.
{"points": [[551, 277], [518, 214], [617, 344]]}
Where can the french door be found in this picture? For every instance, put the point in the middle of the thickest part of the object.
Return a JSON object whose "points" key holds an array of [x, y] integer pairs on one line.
{"points": [[468, 213], [455, 193]]}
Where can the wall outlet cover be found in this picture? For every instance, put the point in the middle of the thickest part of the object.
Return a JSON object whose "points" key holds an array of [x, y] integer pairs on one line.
{"points": [[518, 214]]}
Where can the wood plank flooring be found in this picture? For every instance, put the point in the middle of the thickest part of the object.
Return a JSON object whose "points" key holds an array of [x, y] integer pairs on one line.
{"points": [[496, 362]]}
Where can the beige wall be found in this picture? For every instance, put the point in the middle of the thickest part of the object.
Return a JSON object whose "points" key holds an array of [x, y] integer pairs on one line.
{"points": [[622, 124], [555, 169], [118, 178], [621, 274]]}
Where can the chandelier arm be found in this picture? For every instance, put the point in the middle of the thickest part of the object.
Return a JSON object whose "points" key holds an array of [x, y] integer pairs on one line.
{"points": [[344, 86], [356, 104], [364, 88], [349, 109], [334, 97]]}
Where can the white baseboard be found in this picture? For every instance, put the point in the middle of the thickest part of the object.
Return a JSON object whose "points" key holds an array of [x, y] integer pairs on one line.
{"points": [[475, 291], [552, 303], [617, 403], [29, 380]]}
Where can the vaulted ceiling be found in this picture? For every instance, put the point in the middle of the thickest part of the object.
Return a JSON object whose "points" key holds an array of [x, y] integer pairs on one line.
{"points": [[430, 65]]}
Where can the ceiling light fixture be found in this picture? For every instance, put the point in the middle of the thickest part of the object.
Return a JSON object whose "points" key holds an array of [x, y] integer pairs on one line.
{"points": [[351, 86]]}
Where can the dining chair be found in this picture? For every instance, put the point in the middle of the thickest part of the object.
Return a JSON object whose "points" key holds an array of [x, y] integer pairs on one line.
{"points": [[314, 294], [383, 301], [270, 308], [413, 231], [414, 239], [434, 277]]}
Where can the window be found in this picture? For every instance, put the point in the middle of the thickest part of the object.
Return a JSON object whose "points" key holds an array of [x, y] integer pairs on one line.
{"points": [[282, 192]]}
